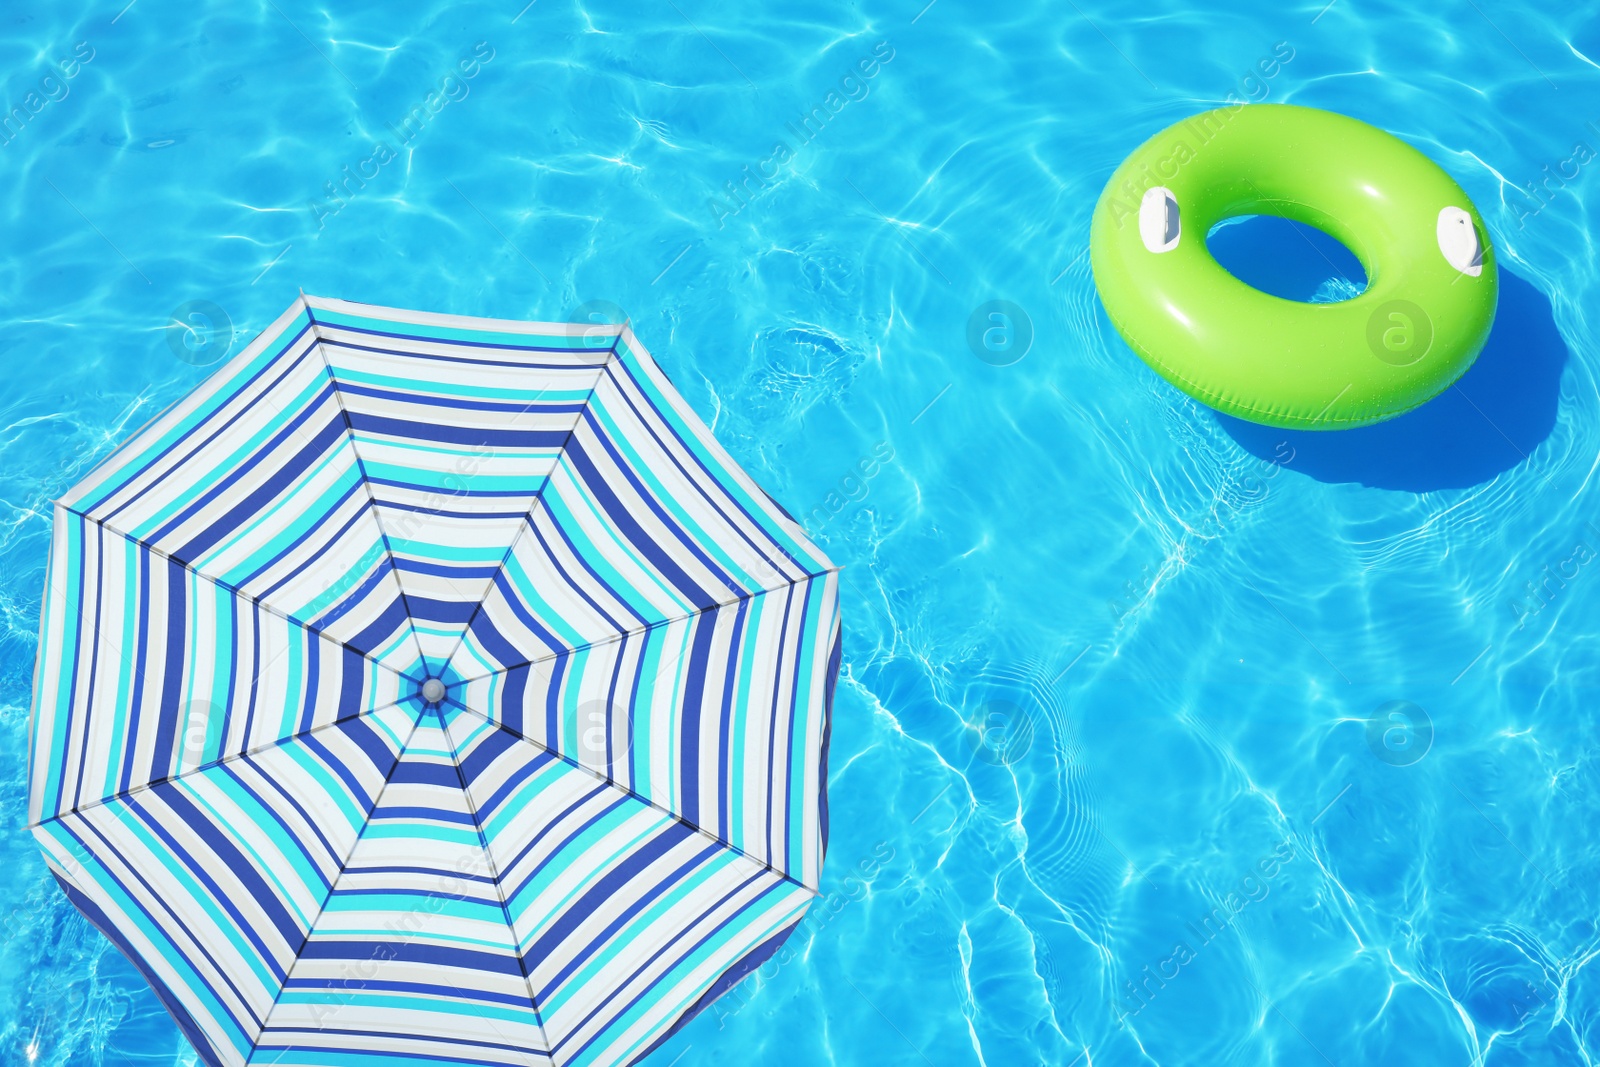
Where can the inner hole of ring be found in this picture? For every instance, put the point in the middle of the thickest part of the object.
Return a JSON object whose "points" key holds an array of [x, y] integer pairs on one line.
{"points": [[1287, 259]]}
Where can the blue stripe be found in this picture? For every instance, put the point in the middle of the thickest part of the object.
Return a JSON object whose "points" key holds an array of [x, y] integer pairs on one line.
{"points": [[626, 525], [423, 772], [434, 399], [730, 678], [145, 564], [409, 951], [329, 437], [688, 740], [235, 860], [455, 434]]}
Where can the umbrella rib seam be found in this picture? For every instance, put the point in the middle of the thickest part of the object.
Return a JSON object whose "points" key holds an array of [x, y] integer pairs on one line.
{"points": [[607, 780], [366, 484], [268, 609], [332, 885], [505, 908], [160, 553], [648, 627], [230, 758], [538, 501]]}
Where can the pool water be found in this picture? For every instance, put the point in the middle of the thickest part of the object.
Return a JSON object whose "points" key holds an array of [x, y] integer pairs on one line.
{"points": [[1161, 738]]}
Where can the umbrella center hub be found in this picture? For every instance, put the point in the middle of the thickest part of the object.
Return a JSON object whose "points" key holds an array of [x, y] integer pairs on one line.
{"points": [[433, 690]]}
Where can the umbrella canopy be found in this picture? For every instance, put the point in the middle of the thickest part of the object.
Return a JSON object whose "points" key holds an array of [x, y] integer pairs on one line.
{"points": [[437, 690]]}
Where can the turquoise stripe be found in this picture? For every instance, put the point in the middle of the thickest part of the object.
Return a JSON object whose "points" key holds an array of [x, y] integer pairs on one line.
{"points": [[645, 684], [378, 681], [345, 483], [421, 1002], [328, 929], [386, 653], [528, 594], [227, 640], [320, 1057], [192, 654], [746, 703], [53, 645], [674, 761], [435, 631], [417, 548], [583, 847], [455, 333], [476, 452], [354, 813], [316, 512], [289, 849], [488, 685], [382, 829], [357, 902], [292, 849], [515, 807], [440, 386], [477, 729], [452, 482], [380, 721], [709, 542], [573, 731], [373, 440], [294, 675], [359, 572], [597, 559], [596, 556], [195, 893], [495, 678]]}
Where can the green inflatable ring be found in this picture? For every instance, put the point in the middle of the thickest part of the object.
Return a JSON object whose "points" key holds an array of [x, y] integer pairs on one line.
{"points": [[1431, 283]]}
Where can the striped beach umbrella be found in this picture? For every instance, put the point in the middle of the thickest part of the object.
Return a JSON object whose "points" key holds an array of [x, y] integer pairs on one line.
{"points": [[433, 690]]}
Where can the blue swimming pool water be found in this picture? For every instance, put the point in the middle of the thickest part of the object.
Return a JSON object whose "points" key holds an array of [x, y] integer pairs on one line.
{"points": [[1161, 737]]}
